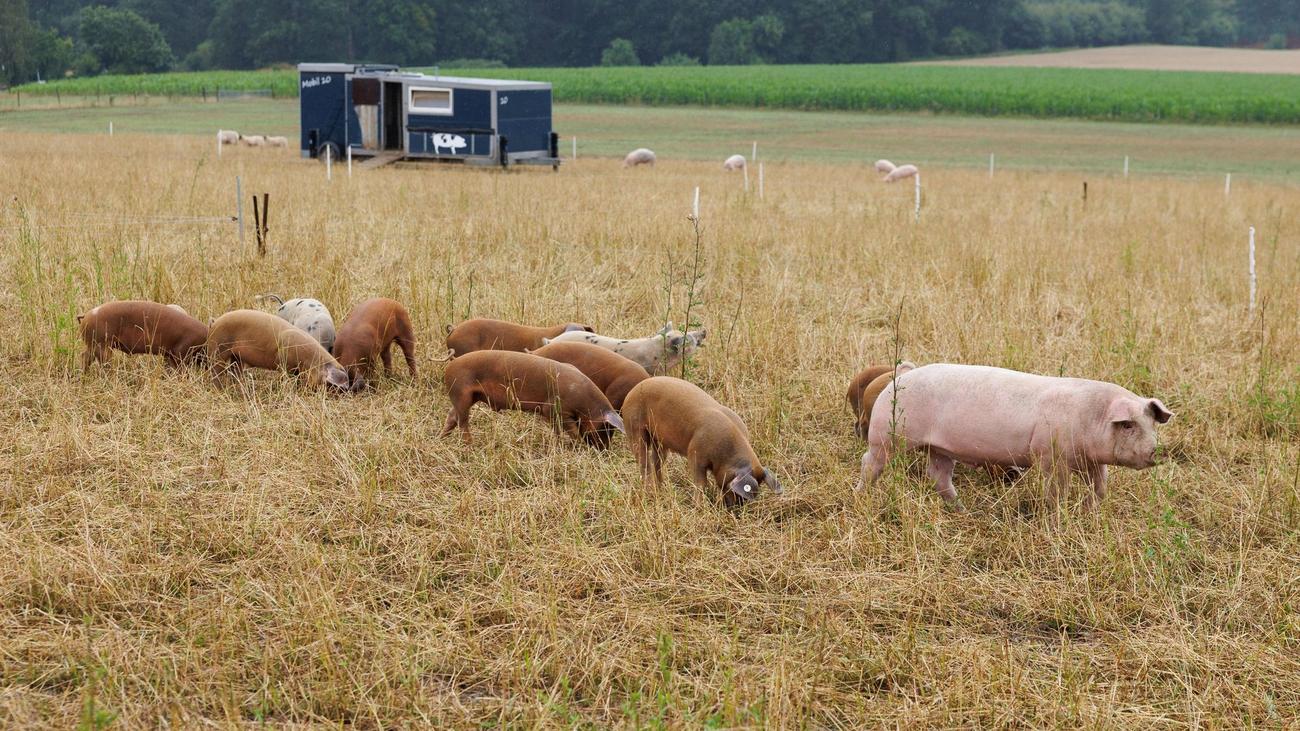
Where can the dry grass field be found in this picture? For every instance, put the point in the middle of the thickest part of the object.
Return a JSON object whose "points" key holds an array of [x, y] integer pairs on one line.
{"points": [[174, 554], [1150, 57]]}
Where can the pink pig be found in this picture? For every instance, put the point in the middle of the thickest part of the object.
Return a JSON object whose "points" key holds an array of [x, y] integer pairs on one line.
{"points": [[983, 415]]}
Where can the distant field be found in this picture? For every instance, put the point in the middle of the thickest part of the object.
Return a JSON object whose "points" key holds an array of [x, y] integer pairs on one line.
{"points": [[1153, 58], [1112, 95], [1254, 152]]}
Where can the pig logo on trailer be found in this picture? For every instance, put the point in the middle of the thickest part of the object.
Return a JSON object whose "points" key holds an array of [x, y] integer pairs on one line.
{"points": [[451, 142]]}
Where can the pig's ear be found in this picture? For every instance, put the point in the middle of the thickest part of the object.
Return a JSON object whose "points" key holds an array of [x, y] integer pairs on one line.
{"points": [[337, 378], [1121, 409], [744, 486], [772, 483], [667, 328], [1158, 411], [616, 421]]}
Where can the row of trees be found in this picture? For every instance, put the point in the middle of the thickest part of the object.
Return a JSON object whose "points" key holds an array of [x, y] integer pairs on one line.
{"points": [[52, 37]]}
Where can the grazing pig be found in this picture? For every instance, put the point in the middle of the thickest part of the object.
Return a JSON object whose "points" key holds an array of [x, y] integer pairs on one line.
{"points": [[658, 353], [138, 327], [735, 162], [369, 333], [669, 413], [262, 340], [253, 140], [557, 392], [865, 387], [613, 374], [277, 141], [994, 416], [309, 315], [639, 156], [484, 334], [900, 173], [884, 166], [227, 136]]}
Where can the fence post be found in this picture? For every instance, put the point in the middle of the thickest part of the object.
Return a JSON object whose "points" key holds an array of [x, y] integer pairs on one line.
{"points": [[918, 196], [239, 210], [1252, 268], [695, 208]]}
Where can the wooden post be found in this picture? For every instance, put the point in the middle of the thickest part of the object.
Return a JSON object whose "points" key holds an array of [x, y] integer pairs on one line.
{"points": [[257, 228], [1085, 191], [261, 221]]}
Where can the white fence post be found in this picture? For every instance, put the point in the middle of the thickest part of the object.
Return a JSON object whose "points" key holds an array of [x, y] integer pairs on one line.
{"points": [[990, 165], [753, 153], [1227, 184], [110, 128], [329, 162], [1252, 268], [1126, 166], [349, 162], [695, 208], [239, 210], [918, 196]]}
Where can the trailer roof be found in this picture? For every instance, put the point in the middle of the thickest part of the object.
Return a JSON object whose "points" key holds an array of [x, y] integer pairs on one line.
{"points": [[393, 71]]}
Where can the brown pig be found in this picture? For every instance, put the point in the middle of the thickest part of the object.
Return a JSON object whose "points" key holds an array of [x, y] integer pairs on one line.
{"points": [[669, 413], [369, 333], [138, 327], [856, 386], [484, 334], [866, 386], [557, 392], [262, 340], [613, 374]]}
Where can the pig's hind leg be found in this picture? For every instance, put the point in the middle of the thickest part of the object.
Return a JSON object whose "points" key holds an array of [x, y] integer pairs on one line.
{"points": [[461, 402], [873, 463], [940, 470]]}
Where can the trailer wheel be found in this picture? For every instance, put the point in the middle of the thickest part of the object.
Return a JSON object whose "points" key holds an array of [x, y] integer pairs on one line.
{"points": [[322, 147]]}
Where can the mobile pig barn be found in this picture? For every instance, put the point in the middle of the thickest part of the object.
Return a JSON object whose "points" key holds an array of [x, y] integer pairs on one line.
{"points": [[387, 115]]}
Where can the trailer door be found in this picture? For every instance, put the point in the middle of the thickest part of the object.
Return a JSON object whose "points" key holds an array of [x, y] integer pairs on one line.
{"points": [[392, 109]]}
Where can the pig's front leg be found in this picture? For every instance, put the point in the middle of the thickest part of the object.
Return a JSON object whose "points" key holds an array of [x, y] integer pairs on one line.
{"points": [[1095, 476]]}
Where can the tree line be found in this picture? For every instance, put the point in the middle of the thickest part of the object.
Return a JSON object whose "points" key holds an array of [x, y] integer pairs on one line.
{"points": [[54, 38]]}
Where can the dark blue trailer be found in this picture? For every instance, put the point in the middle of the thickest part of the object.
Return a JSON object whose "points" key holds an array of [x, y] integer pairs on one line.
{"points": [[381, 112]]}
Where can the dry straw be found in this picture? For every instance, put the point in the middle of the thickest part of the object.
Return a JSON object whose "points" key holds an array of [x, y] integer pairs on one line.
{"points": [[171, 553]]}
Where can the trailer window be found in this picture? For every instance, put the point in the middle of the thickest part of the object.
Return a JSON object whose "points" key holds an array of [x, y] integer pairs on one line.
{"points": [[430, 101]]}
